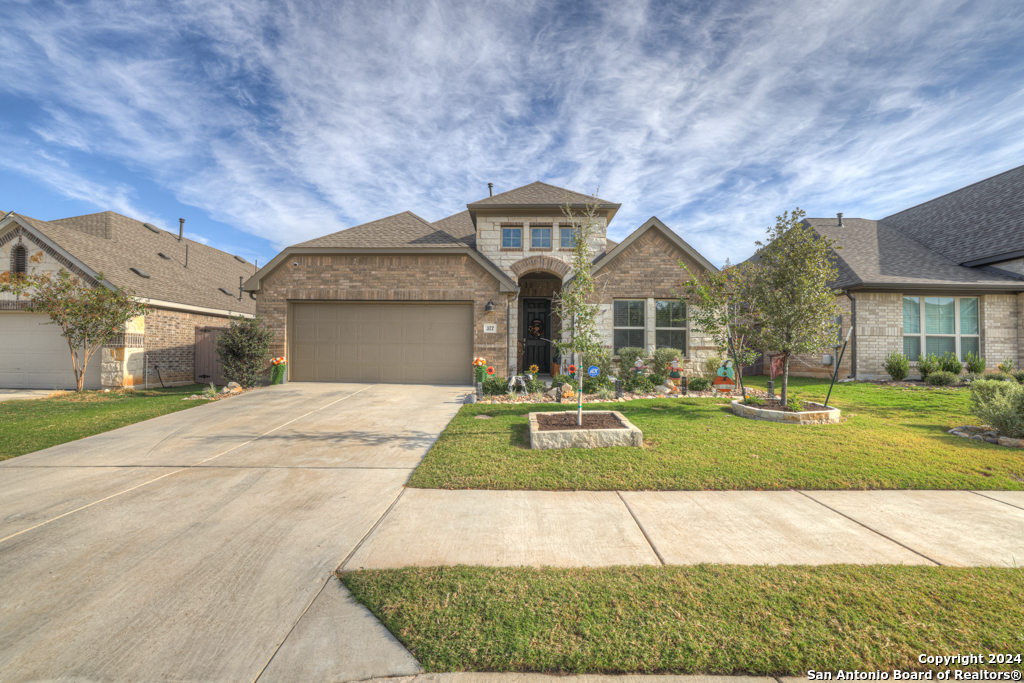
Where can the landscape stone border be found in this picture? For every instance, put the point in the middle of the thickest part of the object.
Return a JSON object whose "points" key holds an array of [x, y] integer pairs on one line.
{"points": [[825, 415], [585, 438], [985, 434]]}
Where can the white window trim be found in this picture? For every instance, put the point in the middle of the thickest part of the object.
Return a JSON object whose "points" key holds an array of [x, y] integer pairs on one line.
{"points": [[923, 335], [685, 328], [642, 326]]}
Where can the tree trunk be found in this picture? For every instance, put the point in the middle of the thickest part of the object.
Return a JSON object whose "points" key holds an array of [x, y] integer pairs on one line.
{"points": [[785, 377], [579, 397]]}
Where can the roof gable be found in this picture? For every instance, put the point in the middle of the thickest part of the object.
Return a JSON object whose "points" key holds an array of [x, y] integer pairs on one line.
{"points": [[654, 223], [975, 224], [538, 193], [404, 229]]}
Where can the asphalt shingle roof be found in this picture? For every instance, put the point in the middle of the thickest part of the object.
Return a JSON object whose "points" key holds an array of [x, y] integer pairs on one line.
{"points": [[874, 253], [539, 193], [112, 244], [975, 222], [404, 229]]}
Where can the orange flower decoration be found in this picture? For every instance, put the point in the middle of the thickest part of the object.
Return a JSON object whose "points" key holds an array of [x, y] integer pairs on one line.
{"points": [[490, 370], [572, 369]]}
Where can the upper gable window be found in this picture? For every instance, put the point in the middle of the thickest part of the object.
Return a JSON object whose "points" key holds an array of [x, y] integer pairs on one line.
{"points": [[540, 238], [567, 238], [511, 238], [19, 260]]}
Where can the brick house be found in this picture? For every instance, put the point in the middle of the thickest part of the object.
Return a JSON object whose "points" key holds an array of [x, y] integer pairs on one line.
{"points": [[187, 285], [402, 299], [943, 276]]}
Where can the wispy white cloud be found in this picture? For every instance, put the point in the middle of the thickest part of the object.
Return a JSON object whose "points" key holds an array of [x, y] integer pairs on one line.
{"points": [[289, 120]]}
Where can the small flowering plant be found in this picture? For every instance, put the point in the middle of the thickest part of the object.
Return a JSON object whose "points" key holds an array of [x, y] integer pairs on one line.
{"points": [[278, 361], [478, 368]]}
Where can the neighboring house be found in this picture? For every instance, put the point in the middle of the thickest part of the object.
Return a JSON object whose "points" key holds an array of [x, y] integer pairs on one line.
{"points": [[943, 276], [187, 285], [402, 299]]}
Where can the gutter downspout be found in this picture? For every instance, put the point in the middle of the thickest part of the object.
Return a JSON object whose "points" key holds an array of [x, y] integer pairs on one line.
{"points": [[853, 326]]}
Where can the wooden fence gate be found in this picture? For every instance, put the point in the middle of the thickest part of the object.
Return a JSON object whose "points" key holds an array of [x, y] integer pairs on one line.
{"points": [[208, 367]]}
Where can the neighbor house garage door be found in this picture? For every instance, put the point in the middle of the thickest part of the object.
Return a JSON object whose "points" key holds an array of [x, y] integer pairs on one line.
{"points": [[33, 355], [381, 342]]}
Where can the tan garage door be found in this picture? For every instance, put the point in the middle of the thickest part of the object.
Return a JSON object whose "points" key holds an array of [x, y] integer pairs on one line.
{"points": [[381, 342], [35, 356]]}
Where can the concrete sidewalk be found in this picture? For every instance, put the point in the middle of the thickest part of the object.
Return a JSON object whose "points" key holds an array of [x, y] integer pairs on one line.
{"points": [[429, 527]]}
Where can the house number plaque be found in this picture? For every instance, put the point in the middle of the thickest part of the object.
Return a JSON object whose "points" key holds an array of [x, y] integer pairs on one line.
{"points": [[490, 327]]}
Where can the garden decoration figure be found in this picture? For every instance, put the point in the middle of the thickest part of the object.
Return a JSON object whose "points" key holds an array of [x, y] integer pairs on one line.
{"points": [[725, 382], [639, 367], [674, 373]]}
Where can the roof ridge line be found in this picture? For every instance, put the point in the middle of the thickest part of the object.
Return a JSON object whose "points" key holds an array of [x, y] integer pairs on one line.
{"points": [[934, 199]]}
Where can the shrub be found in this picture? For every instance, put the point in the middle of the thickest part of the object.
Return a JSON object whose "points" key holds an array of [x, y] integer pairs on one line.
{"points": [[698, 384], [210, 391], [657, 379], [926, 365], [950, 363], [897, 365], [661, 359], [244, 349], [592, 385], [754, 400], [605, 393], [997, 376], [602, 360], [710, 367], [639, 384], [559, 380], [535, 385], [1019, 376], [942, 378], [975, 364], [795, 404], [628, 356], [999, 405], [1006, 366], [495, 386]]}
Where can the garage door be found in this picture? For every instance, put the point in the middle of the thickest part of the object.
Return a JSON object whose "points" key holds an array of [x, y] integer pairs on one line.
{"points": [[35, 356], [381, 342]]}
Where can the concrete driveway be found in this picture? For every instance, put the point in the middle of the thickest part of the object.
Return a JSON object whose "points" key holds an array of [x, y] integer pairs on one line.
{"points": [[199, 546]]}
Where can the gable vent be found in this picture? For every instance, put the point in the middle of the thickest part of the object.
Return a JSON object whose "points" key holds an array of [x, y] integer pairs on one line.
{"points": [[240, 259], [163, 256], [150, 226], [226, 291], [140, 272]]}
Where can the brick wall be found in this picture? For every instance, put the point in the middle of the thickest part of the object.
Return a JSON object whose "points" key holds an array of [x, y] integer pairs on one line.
{"points": [[171, 343], [383, 277], [810, 364], [1000, 326]]}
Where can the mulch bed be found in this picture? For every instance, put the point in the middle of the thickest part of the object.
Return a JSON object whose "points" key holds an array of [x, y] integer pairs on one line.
{"points": [[548, 422], [777, 406]]}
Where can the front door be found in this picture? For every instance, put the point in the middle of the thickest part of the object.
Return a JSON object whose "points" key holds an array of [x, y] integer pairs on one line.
{"points": [[537, 326]]}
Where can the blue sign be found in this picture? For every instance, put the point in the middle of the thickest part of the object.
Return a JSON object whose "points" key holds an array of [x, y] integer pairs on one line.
{"points": [[593, 371]]}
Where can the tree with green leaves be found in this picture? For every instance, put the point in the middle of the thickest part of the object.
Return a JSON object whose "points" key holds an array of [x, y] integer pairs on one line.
{"points": [[788, 287], [89, 315], [574, 304], [244, 350], [715, 306]]}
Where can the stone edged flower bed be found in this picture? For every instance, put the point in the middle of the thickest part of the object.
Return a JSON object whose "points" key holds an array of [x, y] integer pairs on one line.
{"points": [[540, 439], [817, 416], [986, 434]]}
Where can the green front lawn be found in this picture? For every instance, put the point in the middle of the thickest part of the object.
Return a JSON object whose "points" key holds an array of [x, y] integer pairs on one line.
{"points": [[891, 438], [30, 425], [710, 619]]}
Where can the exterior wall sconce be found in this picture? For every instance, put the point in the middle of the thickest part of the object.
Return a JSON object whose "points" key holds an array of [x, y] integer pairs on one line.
{"points": [[489, 307]]}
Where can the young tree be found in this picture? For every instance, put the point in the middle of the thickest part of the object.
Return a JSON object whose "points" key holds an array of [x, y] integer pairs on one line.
{"points": [[573, 304], [788, 287], [244, 349], [88, 315], [715, 306]]}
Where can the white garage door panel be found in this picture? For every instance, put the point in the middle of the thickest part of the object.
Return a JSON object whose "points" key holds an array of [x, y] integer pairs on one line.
{"points": [[33, 355], [382, 342]]}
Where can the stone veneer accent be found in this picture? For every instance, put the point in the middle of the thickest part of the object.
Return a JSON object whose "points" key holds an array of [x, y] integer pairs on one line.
{"points": [[1000, 336], [488, 239], [388, 277], [825, 415]]}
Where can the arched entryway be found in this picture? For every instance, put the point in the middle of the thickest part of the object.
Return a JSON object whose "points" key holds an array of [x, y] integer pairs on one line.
{"points": [[538, 323]]}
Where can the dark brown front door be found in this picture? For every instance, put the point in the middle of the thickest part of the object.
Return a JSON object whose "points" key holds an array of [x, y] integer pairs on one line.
{"points": [[537, 325]]}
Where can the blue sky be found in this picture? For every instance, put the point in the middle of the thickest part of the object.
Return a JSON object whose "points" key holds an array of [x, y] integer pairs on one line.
{"points": [[268, 123]]}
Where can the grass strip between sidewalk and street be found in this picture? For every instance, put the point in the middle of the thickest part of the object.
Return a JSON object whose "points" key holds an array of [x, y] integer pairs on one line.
{"points": [[703, 619], [31, 425], [890, 437]]}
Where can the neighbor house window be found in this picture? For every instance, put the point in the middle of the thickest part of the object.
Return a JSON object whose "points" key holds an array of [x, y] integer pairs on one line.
{"points": [[670, 325], [567, 238], [940, 325], [628, 324], [540, 238], [512, 238]]}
